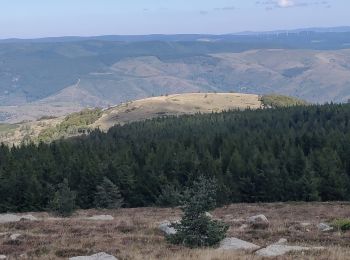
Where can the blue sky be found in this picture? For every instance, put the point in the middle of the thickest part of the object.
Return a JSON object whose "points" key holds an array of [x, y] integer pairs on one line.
{"points": [[42, 18]]}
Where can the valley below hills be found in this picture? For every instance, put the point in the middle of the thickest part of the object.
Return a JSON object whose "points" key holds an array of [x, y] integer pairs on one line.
{"points": [[55, 77]]}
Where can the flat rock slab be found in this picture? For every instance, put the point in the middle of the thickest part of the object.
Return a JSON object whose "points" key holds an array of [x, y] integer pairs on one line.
{"points": [[15, 236], [258, 218], [324, 227], [98, 256], [166, 228], [279, 249], [7, 218], [101, 217], [233, 243], [2, 256]]}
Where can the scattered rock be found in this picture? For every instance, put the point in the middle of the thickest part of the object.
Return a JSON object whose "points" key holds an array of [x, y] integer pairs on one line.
{"points": [[208, 215], [99, 256], [233, 243], [243, 227], [258, 218], [323, 227], [258, 222], [238, 220], [15, 236], [2, 256], [101, 217], [282, 241], [6, 218], [166, 228], [278, 250], [305, 224], [29, 217]]}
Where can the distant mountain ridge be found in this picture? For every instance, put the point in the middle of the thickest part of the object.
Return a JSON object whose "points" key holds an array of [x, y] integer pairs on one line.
{"points": [[57, 76], [177, 37]]}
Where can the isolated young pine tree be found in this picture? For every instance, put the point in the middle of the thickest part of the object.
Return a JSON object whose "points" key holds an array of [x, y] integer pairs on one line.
{"points": [[196, 229], [108, 195], [63, 202]]}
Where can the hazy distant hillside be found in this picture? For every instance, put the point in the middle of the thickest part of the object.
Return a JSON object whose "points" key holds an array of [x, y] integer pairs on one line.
{"points": [[332, 37], [56, 78]]}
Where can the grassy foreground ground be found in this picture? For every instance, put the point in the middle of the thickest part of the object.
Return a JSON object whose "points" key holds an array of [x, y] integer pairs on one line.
{"points": [[134, 234]]}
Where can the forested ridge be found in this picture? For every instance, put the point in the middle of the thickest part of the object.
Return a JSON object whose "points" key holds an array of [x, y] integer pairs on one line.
{"points": [[284, 154]]}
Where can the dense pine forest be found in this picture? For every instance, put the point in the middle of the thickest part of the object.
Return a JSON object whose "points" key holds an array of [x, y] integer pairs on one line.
{"points": [[285, 154]]}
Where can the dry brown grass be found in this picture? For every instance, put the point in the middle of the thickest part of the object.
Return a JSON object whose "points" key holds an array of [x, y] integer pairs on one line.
{"points": [[133, 234], [175, 105]]}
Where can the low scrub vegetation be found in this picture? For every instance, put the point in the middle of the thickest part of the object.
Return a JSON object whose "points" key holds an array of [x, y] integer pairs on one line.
{"points": [[342, 224], [275, 100], [73, 124], [6, 128]]}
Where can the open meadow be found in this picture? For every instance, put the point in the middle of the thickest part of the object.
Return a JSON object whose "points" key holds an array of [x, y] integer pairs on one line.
{"points": [[134, 233]]}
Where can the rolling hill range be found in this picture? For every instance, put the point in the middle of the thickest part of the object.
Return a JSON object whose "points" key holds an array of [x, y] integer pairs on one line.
{"points": [[52, 128], [58, 76]]}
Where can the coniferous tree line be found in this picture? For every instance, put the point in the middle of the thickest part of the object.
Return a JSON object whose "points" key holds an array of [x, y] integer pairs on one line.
{"points": [[285, 154]]}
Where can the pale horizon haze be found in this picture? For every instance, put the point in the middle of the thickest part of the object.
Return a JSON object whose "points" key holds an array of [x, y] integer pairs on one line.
{"points": [[42, 18]]}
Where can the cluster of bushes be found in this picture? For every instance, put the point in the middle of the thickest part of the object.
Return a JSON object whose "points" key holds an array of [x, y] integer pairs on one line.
{"points": [[341, 224], [73, 124], [277, 101]]}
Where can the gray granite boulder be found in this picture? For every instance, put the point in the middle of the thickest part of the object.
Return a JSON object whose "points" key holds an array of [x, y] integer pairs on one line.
{"points": [[233, 243], [99, 256], [324, 227], [101, 218], [166, 227]]}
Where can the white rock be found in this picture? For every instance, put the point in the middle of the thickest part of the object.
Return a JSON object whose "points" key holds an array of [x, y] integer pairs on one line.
{"points": [[29, 217], [278, 250], [305, 224], [15, 236], [282, 241], [165, 226], [2, 256], [208, 215], [238, 220], [100, 217], [243, 227], [99, 256], [233, 243], [7, 218], [258, 218], [324, 227]]}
